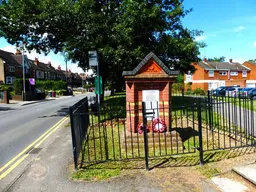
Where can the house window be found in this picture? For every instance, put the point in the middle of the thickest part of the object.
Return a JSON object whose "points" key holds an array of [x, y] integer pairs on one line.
{"points": [[244, 74], [211, 73], [10, 80], [233, 73], [189, 78], [40, 74], [223, 73], [11, 68]]}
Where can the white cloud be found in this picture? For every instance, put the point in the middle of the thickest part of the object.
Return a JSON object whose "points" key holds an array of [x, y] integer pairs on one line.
{"points": [[240, 28], [55, 60], [200, 38], [254, 44], [9, 48]]}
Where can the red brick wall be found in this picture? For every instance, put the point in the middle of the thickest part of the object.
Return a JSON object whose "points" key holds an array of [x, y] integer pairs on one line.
{"points": [[252, 74], [134, 101]]}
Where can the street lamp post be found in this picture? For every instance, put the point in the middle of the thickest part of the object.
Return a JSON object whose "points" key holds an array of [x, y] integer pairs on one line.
{"points": [[23, 65]]}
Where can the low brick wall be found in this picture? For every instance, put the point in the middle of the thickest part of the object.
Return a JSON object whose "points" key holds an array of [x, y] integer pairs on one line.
{"points": [[17, 97]]}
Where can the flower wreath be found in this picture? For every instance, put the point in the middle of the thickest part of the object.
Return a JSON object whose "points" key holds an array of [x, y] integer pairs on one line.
{"points": [[159, 125], [140, 128]]}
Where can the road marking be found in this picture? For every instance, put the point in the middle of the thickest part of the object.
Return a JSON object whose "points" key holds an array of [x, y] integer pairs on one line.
{"points": [[40, 142], [12, 167], [46, 134]]}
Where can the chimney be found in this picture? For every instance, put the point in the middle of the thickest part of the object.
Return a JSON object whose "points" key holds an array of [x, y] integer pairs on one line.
{"points": [[36, 61], [49, 63], [18, 52], [205, 60], [230, 60], [59, 68]]}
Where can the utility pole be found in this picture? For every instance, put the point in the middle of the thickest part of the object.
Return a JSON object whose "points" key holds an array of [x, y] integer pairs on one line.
{"points": [[82, 82], [23, 65], [64, 54]]}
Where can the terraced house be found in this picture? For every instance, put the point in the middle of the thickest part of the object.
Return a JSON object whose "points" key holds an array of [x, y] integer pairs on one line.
{"points": [[11, 66], [210, 75]]}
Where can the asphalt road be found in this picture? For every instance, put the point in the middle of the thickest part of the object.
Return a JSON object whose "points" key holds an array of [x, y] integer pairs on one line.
{"points": [[20, 126]]}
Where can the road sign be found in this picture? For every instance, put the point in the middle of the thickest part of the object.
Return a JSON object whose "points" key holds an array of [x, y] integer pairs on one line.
{"points": [[32, 81], [93, 58], [98, 85]]}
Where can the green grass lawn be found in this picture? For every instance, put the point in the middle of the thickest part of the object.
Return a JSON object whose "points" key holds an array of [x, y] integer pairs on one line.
{"points": [[245, 103], [108, 151]]}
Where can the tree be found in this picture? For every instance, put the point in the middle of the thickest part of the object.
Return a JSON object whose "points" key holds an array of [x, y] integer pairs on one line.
{"points": [[217, 59], [122, 31], [180, 78]]}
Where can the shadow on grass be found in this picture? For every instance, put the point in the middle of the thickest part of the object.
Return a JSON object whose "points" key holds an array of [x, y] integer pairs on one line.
{"points": [[186, 133], [184, 160]]}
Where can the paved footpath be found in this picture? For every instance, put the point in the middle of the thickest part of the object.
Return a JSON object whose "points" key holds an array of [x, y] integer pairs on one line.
{"points": [[49, 172]]}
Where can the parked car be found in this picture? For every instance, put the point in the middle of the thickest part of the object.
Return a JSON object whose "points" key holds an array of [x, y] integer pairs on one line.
{"points": [[252, 93], [243, 93], [233, 91], [221, 91]]}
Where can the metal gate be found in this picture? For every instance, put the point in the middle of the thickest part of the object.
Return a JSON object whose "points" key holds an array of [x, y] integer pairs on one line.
{"points": [[135, 131]]}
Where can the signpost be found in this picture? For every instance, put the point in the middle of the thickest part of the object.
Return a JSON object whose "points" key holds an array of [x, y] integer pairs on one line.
{"points": [[32, 81], [93, 62], [98, 85]]}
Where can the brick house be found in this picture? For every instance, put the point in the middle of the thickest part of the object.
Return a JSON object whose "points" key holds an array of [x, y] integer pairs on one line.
{"points": [[11, 66], [210, 75], [43, 71], [251, 81]]}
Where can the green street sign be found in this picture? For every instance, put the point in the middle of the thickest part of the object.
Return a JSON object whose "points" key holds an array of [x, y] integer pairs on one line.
{"points": [[98, 86]]}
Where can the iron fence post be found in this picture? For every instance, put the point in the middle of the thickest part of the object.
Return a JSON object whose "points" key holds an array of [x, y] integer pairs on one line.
{"points": [[73, 137], [199, 105], [209, 109], [145, 134], [182, 93], [104, 131], [252, 121]]}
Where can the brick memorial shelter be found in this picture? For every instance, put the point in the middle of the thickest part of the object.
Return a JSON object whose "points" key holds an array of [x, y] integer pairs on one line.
{"points": [[151, 81]]}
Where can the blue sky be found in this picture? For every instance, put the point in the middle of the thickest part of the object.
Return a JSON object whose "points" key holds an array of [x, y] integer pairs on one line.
{"points": [[229, 27], [229, 30]]}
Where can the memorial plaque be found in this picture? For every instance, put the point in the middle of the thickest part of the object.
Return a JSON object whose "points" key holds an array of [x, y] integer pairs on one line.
{"points": [[151, 98]]}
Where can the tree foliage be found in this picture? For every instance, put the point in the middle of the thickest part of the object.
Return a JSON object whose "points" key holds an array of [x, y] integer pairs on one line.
{"points": [[217, 59], [122, 31]]}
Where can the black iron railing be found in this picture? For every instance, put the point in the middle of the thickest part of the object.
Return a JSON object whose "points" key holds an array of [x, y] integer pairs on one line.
{"points": [[150, 130]]}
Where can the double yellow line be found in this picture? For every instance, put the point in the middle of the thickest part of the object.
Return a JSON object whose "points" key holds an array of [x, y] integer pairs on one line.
{"points": [[14, 162]]}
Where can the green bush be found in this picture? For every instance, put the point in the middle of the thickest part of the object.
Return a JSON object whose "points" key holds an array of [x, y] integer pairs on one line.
{"points": [[189, 92], [188, 86], [88, 86], [177, 87], [18, 86], [199, 91], [45, 85], [4, 87], [61, 92], [180, 78], [7, 88]]}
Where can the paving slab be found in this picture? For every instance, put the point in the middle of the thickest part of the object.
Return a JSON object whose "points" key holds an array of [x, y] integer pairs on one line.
{"points": [[228, 185], [247, 171]]}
